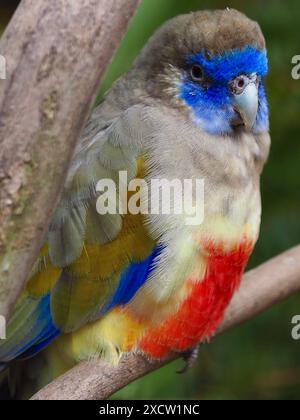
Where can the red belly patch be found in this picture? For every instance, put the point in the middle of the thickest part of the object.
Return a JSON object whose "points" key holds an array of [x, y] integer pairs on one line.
{"points": [[202, 311]]}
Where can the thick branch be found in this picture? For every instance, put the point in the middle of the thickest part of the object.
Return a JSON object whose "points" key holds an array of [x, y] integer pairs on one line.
{"points": [[261, 288], [56, 52]]}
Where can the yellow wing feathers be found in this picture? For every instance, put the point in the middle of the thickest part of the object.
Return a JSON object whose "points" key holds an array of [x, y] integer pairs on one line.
{"points": [[81, 289]]}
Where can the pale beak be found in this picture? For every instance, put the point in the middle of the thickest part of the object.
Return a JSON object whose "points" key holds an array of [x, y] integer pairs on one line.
{"points": [[245, 99]]}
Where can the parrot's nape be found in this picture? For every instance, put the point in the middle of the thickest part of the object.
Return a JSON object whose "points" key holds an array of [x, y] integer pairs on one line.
{"points": [[193, 106]]}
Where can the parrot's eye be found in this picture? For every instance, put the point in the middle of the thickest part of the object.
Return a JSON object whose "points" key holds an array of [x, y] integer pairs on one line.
{"points": [[196, 73]]}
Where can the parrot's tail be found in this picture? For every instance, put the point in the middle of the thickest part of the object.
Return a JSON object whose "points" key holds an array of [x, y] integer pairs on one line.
{"points": [[3, 367], [4, 388]]}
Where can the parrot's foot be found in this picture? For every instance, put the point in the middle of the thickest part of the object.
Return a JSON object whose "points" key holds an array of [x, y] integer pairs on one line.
{"points": [[189, 358]]}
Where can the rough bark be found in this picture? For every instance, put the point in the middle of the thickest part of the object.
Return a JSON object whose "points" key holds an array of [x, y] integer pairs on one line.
{"points": [[261, 288], [56, 52]]}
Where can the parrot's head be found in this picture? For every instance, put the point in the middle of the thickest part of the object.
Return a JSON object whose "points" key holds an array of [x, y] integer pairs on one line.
{"points": [[213, 65]]}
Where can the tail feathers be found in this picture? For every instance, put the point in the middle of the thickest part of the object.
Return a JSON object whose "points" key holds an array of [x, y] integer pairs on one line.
{"points": [[4, 388], [3, 367]]}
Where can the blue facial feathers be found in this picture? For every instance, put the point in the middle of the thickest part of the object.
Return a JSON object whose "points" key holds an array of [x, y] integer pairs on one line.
{"points": [[211, 102], [224, 68]]}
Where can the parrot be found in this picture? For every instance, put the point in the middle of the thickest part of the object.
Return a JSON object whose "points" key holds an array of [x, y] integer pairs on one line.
{"points": [[192, 106]]}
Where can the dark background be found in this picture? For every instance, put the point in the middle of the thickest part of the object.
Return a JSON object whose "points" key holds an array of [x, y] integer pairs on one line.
{"points": [[259, 359]]}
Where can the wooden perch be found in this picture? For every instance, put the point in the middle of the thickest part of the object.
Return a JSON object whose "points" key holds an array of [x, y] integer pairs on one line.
{"points": [[57, 52], [261, 288]]}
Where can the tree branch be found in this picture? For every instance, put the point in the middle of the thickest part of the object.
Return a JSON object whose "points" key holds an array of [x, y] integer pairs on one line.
{"points": [[56, 52], [261, 288]]}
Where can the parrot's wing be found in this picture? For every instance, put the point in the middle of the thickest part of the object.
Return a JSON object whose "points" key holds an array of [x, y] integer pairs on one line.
{"points": [[89, 262]]}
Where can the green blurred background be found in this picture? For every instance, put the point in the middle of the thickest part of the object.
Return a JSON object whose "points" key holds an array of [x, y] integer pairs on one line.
{"points": [[258, 360]]}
